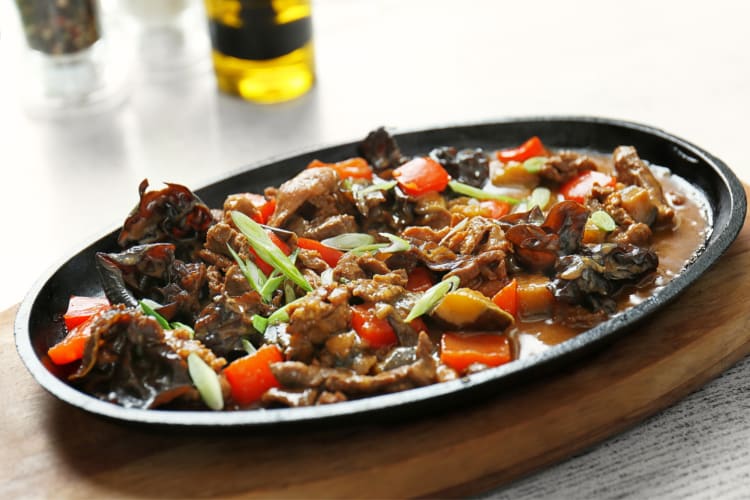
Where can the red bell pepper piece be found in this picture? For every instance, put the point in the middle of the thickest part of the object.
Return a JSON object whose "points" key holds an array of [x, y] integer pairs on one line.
{"points": [[420, 176], [418, 325], [377, 332], [420, 279], [495, 208], [250, 376], [578, 188], [82, 308], [529, 149], [459, 351], [507, 298], [353, 168], [265, 207], [330, 255], [72, 346]]}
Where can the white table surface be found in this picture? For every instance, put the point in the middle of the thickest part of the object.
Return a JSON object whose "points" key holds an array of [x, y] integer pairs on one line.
{"points": [[683, 66]]}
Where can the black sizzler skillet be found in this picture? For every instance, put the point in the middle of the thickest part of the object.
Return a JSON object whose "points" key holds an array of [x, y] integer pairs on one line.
{"points": [[39, 319]]}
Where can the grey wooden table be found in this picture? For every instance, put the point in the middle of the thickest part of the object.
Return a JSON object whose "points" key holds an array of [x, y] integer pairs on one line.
{"points": [[683, 66]]}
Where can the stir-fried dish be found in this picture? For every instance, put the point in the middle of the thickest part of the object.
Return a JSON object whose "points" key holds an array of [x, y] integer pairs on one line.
{"points": [[373, 274]]}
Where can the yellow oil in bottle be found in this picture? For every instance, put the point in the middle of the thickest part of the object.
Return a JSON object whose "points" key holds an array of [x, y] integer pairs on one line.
{"points": [[262, 49]]}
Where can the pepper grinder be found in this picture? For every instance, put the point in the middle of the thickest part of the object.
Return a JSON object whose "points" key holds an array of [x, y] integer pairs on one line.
{"points": [[69, 64]]}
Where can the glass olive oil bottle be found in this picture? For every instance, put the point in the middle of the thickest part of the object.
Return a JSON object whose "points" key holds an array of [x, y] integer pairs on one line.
{"points": [[262, 49]]}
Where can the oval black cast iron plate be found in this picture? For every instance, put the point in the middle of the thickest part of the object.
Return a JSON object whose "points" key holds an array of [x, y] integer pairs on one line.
{"points": [[39, 325]]}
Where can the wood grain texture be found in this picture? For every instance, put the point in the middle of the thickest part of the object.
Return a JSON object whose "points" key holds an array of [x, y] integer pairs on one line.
{"points": [[53, 450]]}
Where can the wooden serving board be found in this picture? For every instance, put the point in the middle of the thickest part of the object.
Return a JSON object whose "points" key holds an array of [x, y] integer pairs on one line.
{"points": [[52, 450]]}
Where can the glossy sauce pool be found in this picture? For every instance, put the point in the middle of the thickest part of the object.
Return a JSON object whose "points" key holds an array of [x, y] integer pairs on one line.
{"points": [[676, 247]]}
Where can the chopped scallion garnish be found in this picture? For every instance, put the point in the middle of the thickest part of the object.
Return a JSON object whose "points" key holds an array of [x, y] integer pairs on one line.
{"points": [[603, 221], [279, 316], [431, 297], [289, 295], [248, 346], [266, 250], [480, 194], [252, 273], [348, 241], [206, 381], [151, 312], [540, 197], [271, 285], [326, 277], [397, 244], [534, 165], [372, 247], [177, 325], [259, 322], [381, 186]]}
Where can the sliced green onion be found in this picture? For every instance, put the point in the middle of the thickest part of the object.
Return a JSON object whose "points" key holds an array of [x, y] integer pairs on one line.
{"points": [[252, 273], [159, 318], [266, 250], [368, 248], [206, 381], [539, 197], [248, 347], [176, 324], [289, 295], [348, 241], [603, 221], [534, 165], [480, 194], [270, 286], [397, 244], [381, 186], [326, 277], [279, 316], [431, 297], [259, 322], [151, 303]]}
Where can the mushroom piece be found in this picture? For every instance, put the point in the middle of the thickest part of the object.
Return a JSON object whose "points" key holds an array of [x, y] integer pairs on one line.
{"points": [[170, 215]]}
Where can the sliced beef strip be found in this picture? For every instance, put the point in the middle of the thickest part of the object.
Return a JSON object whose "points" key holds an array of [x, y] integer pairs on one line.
{"points": [[241, 202], [215, 249], [310, 259], [431, 210], [323, 227], [423, 371], [566, 165], [353, 266], [290, 397], [311, 186], [475, 234], [482, 244], [631, 169], [380, 288], [314, 318]]}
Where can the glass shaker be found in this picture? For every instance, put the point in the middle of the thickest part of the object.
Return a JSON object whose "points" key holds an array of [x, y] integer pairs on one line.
{"points": [[171, 36], [68, 66]]}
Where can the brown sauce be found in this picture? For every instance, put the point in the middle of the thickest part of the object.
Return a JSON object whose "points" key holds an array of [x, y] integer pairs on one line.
{"points": [[676, 247]]}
